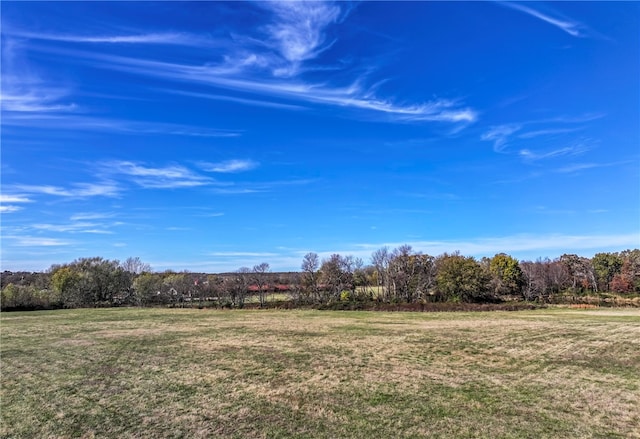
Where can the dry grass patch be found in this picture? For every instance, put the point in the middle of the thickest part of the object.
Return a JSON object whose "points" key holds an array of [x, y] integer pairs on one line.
{"points": [[204, 373]]}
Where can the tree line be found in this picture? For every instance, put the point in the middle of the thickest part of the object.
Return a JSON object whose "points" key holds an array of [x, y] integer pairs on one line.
{"points": [[399, 275]]}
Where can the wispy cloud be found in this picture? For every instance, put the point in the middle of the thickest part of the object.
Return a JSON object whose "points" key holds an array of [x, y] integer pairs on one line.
{"points": [[74, 227], [79, 122], [538, 133], [235, 191], [10, 208], [23, 88], [294, 48], [29, 100], [5, 198], [577, 167], [167, 177], [176, 130], [575, 119], [35, 99], [295, 35], [238, 100], [441, 110], [229, 166], [260, 186], [576, 149], [142, 38], [84, 216], [572, 27], [78, 190], [508, 135], [298, 31], [499, 135], [36, 241], [354, 96]]}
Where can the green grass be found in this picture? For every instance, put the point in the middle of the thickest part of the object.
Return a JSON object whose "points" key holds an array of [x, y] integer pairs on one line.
{"points": [[149, 373]]}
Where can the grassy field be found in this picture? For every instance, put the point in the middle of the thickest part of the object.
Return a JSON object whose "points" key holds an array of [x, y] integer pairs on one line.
{"points": [[155, 373]]}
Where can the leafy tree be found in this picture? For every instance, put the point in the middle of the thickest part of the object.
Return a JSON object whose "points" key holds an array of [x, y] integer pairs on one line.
{"points": [[8, 296], [177, 287], [66, 281], [631, 266], [506, 274], [580, 272], [40, 281], [606, 266], [461, 279], [103, 281], [27, 297], [90, 282], [628, 279], [148, 289]]}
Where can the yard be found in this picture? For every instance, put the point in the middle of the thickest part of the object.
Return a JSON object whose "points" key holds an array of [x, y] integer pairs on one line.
{"points": [[150, 373]]}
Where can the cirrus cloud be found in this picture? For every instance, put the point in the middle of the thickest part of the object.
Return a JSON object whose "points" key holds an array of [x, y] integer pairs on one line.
{"points": [[229, 166]]}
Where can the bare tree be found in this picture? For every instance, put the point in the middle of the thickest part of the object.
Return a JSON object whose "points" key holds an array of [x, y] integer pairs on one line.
{"points": [[380, 260], [310, 265], [296, 289], [401, 271], [531, 289], [135, 266], [260, 279], [425, 278], [337, 276], [360, 278], [237, 286]]}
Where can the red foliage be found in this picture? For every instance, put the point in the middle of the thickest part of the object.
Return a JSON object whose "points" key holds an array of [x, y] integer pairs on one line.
{"points": [[621, 283]]}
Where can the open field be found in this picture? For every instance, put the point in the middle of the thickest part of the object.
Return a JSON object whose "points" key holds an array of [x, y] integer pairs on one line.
{"points": [[233, 374]]}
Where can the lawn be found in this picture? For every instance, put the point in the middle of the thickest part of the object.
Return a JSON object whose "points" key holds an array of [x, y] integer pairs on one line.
{"points": [[155, 373]]}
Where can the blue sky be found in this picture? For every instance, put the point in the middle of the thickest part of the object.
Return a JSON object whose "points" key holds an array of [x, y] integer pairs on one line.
{"points": [[207, 136]]}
